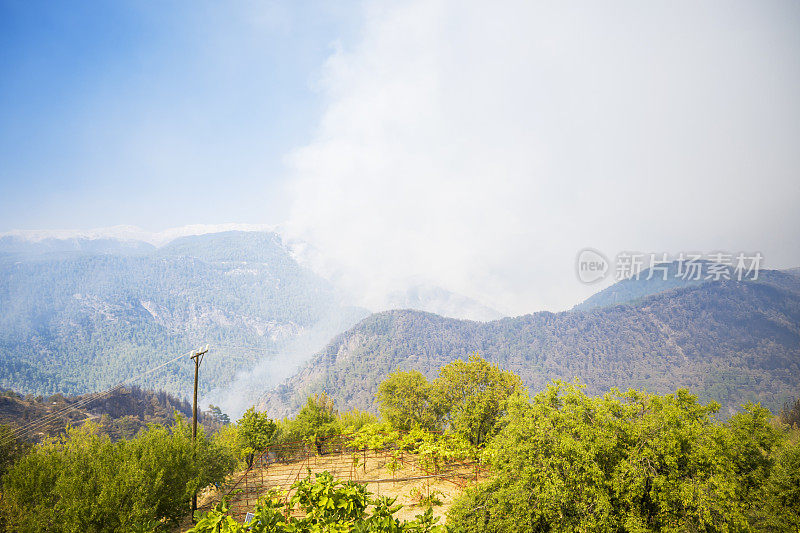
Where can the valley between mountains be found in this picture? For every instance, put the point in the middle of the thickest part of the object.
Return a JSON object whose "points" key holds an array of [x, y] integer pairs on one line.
{"points": [[81, 315], [727, 341]]}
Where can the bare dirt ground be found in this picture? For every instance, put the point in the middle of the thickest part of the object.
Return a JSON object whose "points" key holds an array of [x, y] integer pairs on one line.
{"points": [[372, 468]]}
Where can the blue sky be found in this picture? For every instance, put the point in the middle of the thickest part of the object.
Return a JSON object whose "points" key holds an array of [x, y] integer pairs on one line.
{"points": [[468, 145], [156, 114]]}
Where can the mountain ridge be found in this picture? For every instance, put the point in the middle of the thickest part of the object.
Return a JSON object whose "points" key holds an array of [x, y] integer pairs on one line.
{"points": [[74, 321], [728, 341], [135, 233]]}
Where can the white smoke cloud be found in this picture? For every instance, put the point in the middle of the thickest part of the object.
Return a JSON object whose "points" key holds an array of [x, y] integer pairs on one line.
{"points": [[479, 146]]}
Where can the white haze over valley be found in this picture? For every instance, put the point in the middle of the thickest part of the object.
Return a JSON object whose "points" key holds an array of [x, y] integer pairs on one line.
{"points": [[480, 147], [476, 149], [275, 365], [415, 294]]}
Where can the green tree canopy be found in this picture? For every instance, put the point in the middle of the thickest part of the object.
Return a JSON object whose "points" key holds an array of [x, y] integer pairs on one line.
{"points": [[406, 401], [85, 482], [256, 431], [631, 461], [783, 492], [473, 395], [317, 419]]}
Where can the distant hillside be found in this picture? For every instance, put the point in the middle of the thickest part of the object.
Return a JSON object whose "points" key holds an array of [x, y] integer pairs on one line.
{"points": [[727, 341], [21, 249], [80, 315], [630, 290], [120, 414], [442, 302], [665, 277]]}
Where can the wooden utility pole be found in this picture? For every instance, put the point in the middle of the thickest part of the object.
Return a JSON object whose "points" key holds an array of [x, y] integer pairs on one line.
{"points": [[197, 357]]}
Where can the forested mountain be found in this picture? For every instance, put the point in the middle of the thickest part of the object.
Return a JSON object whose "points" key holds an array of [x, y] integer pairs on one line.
{"points": [[664, 277], [24, 249], [120, 414], [440, 301], [648, 283], [79, 315], [728, 341]]}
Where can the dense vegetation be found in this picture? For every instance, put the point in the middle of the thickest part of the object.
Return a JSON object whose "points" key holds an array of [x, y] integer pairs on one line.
{"points": [[326, 505], [12, 447], [82, 318], [84, 481], [565, 461], [561, 460], [120, 414], [729, 342]]}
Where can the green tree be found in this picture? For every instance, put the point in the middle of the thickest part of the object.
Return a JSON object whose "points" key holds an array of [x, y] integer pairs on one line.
{"points": [[216, 413], [472, 395], [751, 443], [85, 482], [565, 461], [406, 401], [783, 491], [317, 420], [11, 448], [256, 431]]}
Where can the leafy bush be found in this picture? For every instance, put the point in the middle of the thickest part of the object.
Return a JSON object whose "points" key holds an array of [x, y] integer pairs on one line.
{"points": [[317, 420], [228, 440], [374, 437], [407, 400], [327, 505], [85, 482], [631, 461], [468, 397], [353, 420], [423, 496]]}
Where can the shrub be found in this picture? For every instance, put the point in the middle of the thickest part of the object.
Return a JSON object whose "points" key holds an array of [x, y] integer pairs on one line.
{"points": [[326, 505], [85, 482], [317, 420], [623, 462]]}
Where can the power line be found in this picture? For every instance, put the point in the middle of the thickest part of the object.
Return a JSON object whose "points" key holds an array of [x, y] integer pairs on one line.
{"points": [[250, 347], [62, 412], [42, 422], [50, 417]]}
